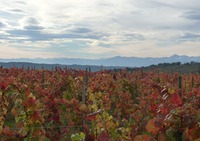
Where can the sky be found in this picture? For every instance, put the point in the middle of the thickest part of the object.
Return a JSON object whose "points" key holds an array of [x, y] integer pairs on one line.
{"points": [[99, 28]]}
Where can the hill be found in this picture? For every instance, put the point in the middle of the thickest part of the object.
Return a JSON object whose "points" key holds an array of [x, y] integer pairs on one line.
{"points": [[27, 65], [113, 61], [192, 67]]}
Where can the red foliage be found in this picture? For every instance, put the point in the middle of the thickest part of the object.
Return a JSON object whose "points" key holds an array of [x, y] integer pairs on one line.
{"points": [[49, 103], [103, 136], [176, 99]]}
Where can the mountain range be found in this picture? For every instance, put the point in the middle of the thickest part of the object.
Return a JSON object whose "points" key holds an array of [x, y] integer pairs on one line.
{"points": [[113, 61]]}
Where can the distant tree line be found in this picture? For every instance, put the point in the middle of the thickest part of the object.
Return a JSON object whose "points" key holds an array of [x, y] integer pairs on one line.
{"points": [[190, 67]]}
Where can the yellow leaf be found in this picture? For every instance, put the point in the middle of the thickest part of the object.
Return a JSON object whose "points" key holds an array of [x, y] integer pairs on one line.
{"points": [[98, 95], [83, 107], [110, 117], [94, 106], [4, 110], [171, 91], [92, 97]]}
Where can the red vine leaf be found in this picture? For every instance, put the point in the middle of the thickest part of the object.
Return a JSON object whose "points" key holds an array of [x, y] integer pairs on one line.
{"points": [[193, 133], [143, 138], [92, 116], [86, 128], [6, 130], [103, 136], [36, 116], [176, 99]]}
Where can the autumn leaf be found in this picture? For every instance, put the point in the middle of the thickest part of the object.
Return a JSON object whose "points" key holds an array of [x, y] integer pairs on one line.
{"points": [[86, 128], [4, 85], [164, 110], [14, 112], [176, 99], [171, 91], [143, 138], [103, 136], [153, 96], [161, 137], [90, 137], [83, 108], [6, 130], [92, 116], [151, 127], [36, 116], [193, 133], [30, 102], [71, 124], [19, 124]]}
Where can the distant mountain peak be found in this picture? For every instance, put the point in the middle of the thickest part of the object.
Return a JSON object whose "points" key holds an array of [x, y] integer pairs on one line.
{"points": [[113, 61]]}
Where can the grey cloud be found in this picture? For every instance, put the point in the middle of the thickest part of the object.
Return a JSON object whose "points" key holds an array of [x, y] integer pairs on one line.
{"points": [[81, 30], [150, 4], [33, 27], [2, 25], [191, 36], [3, 37], [36, 33], [16, 10], [192, 15], [31, 21], [105, 45], [134, 37], [20, 2], [162, 4]]}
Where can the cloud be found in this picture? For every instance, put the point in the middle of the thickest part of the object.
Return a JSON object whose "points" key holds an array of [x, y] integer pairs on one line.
{"points": [[2, 24], [190, 37], [192, 15], [20, 2], [95, 28], [81, 30], [15, 11], [133, 36], [13, 52], [33, 27], [36, 33]]}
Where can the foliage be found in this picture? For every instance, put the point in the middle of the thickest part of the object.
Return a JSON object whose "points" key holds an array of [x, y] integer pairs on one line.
{"points": [[47, 105], [78, 136]]}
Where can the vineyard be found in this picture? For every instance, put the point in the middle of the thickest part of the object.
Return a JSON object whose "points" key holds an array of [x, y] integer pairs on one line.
{"points": [[65, 104]]}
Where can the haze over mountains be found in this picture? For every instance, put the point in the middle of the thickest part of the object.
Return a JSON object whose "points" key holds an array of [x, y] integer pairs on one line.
{"points": [[114, 61]]}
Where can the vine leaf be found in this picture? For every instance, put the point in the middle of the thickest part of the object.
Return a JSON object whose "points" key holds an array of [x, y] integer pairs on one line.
{"points": [[14, 111], [92, 116], [36, 116], [143, 138], [193, 133], [6, 130], [86, 128], [151, 127], [83, 108], [103, 136], [176, 99], [161, 137]]}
